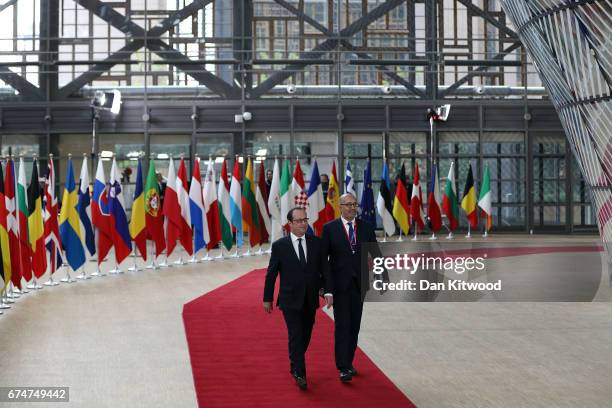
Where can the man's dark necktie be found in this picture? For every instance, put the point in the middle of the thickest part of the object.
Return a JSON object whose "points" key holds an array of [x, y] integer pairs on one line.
{"points": [[352, 239], [302, 254]]}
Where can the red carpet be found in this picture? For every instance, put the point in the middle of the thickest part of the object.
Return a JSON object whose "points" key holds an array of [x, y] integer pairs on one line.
{"points": [[239, 356]]}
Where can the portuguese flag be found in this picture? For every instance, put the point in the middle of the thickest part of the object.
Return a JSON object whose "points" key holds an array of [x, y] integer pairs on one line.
{"points": [[154, 218]]}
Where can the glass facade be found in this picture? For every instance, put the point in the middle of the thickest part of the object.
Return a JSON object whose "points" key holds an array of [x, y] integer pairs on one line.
{"points": [[571, 48]]}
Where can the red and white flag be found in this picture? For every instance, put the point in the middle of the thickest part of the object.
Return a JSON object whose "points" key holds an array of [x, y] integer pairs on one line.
{"points": [[52, 241]]}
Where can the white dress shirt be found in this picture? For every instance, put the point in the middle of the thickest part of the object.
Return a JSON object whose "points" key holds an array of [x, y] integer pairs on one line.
{"points": [[295, 242]]}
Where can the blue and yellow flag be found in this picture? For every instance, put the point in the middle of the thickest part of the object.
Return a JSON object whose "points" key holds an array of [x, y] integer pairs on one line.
{"points": [[70, 229]]}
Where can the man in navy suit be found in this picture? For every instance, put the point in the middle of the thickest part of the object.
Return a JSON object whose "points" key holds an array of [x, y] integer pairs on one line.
{"points": [[341, 241], [303, 272]]}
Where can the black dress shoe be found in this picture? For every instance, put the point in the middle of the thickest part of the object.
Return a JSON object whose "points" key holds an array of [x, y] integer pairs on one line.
{"points": [[352, 371], [345, 375], [300, 381]]}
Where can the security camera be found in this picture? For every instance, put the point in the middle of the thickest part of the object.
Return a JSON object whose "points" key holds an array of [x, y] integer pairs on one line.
{"points": [[194, 116], [479, 89], [247, 116], [386, 89], [47, 118], [291, 89]]}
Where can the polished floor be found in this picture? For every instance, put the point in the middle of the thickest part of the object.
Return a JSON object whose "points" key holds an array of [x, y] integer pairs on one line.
{"points": [[118, 341]]}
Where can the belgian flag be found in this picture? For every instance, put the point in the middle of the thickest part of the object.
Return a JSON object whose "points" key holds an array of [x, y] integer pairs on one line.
{"points": [[36, 229], [469, 200]]}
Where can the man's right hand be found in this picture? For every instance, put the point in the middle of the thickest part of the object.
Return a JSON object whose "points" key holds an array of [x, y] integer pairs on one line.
{"points": [[267, 307]]}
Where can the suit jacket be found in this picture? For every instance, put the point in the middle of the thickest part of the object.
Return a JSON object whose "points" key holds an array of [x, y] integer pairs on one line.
{"points": [[344, 265], [297, 286]]}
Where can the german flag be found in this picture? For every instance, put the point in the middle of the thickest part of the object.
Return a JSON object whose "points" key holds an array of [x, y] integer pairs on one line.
{"points": [[36, 228], [5, 253], [401, 207], [469, 200]]}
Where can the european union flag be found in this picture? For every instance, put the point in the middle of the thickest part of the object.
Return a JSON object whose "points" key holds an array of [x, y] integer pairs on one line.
{"points": [[367, 197]]}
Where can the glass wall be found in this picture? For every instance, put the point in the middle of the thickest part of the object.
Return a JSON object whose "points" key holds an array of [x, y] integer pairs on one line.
{"points": [[549, 180], [505, 155]]}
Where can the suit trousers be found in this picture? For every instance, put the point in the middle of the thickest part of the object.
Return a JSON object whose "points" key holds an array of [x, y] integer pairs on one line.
{"points": [[348, 308], [299, 329]]}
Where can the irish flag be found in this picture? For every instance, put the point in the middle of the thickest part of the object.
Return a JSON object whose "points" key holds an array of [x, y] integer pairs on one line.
{"points": [[484, 201], [450, 203]]}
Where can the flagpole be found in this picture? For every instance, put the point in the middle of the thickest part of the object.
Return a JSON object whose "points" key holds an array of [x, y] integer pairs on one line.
{"points": [[12, 293], [193, 257], [469, 233], [134, 267], [207, 257], [4, 304], [399, 239], [220, 256], [152, 265], [97, 272], [68, 278], [52, 263], [415, 238], [8, 294]]}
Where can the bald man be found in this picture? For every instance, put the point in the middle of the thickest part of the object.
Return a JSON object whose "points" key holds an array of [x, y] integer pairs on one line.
{"points": [[341, 244]]}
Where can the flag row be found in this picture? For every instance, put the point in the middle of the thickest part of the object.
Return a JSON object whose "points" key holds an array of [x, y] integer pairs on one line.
{"points": [[199, 214]]}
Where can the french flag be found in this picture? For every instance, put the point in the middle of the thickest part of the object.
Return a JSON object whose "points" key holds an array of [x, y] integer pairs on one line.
{"points": [[316, 205], [100, 214], [118, 221], [196, 209]]}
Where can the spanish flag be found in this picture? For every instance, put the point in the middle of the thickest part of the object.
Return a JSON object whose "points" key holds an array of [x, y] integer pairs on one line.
{"points": [[469, 200], [70, 229], [332, 205], [401, 207], [36, 228], [250, 216]]}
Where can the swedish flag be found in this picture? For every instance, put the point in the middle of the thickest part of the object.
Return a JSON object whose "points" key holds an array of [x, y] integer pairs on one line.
{"points": [[70, 229]]}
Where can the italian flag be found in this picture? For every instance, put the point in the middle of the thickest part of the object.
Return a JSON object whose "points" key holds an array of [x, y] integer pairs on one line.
{"points": [[484, 200], [450, 203], [285, 193]]}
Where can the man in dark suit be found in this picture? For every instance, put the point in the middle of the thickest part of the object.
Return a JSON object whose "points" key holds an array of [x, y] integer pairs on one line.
{"points": [[303, 271], [341, 241]]}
